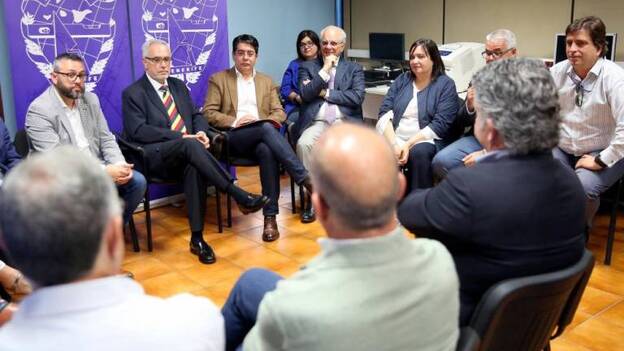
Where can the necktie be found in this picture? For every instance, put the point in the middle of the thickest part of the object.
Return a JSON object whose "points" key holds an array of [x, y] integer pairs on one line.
{"points": [[331, 111], [175, 120]]}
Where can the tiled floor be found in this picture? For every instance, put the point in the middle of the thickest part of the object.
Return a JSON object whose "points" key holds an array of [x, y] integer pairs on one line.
{"points": [[171, 269]]}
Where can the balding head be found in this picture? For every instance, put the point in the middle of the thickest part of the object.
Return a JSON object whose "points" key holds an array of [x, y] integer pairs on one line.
{"points": [[356, 177]]}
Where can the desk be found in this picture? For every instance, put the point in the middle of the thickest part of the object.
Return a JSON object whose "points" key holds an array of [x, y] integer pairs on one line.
{"points": [[372, 101]]}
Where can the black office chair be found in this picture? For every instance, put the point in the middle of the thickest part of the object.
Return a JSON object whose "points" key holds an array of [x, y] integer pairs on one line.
{"points": [[524, 314], [21, 143], [135, 153], [615, 202]]}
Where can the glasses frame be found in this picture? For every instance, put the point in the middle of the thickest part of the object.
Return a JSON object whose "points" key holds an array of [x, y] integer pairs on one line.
{"points": [[496, 55], [158, 60], [73, 76]]}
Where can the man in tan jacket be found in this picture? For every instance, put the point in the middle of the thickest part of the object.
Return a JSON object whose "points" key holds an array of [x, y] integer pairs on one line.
{"points": [[245, 103]]}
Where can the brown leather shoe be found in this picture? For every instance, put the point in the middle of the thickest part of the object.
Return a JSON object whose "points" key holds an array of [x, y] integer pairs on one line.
{"points": [[270, 232]]}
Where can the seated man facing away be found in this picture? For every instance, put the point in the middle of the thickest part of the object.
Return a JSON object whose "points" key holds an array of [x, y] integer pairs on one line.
{"points": [[591, 95], [61, 224], [158, 113], [518, 211], [66, 114], [371, 288], [246, 101]]}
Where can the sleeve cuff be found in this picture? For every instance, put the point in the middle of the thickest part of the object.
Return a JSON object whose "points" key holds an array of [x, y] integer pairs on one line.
{"points": [[324, 75], [468, 110], [429, 133], [609, 157]]}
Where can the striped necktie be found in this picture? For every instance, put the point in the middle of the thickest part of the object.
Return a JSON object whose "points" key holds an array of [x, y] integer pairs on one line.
{"points": [[175, 119]]}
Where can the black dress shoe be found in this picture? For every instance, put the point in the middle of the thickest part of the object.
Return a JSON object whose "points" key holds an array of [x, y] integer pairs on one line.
{"points": [[203, 251], [308, 215], [252, 203]]}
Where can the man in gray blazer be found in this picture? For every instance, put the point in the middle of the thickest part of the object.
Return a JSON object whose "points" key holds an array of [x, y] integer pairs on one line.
{"points": [[370, 288], [66, 114]]}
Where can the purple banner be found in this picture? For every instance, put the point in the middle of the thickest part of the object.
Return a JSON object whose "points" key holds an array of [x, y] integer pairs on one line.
{"points": [[38, 30], [196, 31]]}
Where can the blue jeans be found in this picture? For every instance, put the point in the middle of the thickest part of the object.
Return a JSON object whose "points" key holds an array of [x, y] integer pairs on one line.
{"points": [[594, 182], [452, 155], [241, 308], [132, 193]]}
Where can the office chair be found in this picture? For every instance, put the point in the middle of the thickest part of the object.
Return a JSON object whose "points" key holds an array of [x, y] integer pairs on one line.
{"points": [[524, 314], [21, 143], [615, 202], [135, 153]]}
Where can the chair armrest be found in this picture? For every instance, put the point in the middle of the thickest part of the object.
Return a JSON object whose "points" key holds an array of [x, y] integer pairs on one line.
{"points": [[468, 340], [134, 153]]}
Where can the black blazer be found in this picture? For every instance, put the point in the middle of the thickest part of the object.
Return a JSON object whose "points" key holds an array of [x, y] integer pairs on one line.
{"points": [[145, 120], [503, 218], [348, 92]]}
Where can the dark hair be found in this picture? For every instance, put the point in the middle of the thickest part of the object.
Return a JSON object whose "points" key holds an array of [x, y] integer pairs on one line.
{"points": [[66, 56], [246, 39], [315, 39], [431, 49], [596, 29]]}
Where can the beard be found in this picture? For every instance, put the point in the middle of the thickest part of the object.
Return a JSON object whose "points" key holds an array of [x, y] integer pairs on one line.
{"points": [[70, 93]]}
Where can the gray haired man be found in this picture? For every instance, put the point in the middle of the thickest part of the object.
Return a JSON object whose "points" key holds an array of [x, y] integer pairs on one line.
{"points": [[518, 211], [61, 224]]}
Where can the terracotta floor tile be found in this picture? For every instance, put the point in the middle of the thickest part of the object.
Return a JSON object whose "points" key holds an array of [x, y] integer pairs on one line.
{"points": [[169, 284], [208, 275], [219, 292], [228, 246], [595, 300], [597, 335], [607, 279], [563, 344], [261, 257], [299, 248], [181, 259], [614, 315], [146, 268]]}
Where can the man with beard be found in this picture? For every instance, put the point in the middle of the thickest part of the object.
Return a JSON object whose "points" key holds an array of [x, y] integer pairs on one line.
{"points": [[64, 114]]}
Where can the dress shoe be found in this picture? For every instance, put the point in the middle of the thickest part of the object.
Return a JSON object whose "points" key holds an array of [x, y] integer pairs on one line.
{"points": [[203, 251], [252, 203], [270, 232], [308, 215]]}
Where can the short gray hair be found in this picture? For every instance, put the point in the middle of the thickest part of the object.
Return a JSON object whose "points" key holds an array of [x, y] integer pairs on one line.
{"points": [[505, 34], [145, 47], [343, 34], [54, 208], [520, 96]]}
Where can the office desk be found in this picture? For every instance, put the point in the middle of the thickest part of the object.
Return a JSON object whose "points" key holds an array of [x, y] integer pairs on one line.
{"points": [[372, 101]]}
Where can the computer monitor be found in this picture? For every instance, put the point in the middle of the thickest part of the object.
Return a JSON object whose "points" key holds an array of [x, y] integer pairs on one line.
{"points": [[386, 46], [560, 47]]}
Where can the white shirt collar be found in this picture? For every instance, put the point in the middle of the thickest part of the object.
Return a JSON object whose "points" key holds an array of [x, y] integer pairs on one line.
{"points": [[331, 243], [240, 75], [63, 102], [594, 71], [155, 84]]}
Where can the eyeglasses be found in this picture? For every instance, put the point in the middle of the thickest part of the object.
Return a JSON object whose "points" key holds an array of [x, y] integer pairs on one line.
{"points": [[73, 76], [331, 43], [157, 60], [495, 54], [580, 93], [306, 45]]}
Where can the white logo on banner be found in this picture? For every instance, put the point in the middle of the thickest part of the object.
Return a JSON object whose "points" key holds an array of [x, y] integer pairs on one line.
{"points": [[189, 26], [83, 27]]}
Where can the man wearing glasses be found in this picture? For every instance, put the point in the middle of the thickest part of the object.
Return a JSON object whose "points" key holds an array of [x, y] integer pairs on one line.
{"points": [[499, 44], [246, 104], [332, 90], [66, 114], [591, 96], [159, 114]]}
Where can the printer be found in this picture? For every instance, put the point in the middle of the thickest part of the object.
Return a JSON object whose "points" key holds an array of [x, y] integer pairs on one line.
{"points": [[462, 60]]}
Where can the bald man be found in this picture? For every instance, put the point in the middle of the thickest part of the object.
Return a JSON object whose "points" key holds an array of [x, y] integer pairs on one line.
{"points": [[370, 288]]}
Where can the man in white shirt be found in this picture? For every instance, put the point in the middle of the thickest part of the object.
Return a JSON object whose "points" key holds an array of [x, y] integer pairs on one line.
{"points": [[66, 114], [591, 96], [246, 104], [61, 224]]}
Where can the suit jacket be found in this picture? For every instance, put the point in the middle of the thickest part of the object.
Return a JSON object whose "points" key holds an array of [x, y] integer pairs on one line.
{"points": [[437, 105], [47, 126], [505, 217], [222, 99], [8, 156], [384, 293], [348, 92], [146, 121]]}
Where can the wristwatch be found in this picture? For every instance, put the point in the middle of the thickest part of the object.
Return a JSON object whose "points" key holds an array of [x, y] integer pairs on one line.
{"points": [[600, 162]]}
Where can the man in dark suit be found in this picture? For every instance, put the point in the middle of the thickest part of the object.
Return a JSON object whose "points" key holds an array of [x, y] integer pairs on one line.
{"points": [[332, 90], [8, 156], [245, 102], [159, 114], [518, 211]]}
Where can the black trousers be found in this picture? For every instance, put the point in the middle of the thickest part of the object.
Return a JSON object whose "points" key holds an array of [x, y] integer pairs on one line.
{"points": [[263, 143], [187, 159], [418, 170]]}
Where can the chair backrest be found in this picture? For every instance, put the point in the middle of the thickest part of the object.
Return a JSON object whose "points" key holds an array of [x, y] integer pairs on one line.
{"points": [[21, 143], [522, 313]]}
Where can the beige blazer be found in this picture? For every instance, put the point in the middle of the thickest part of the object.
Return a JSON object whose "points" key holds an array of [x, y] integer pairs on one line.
{"points": [[222, 99]]}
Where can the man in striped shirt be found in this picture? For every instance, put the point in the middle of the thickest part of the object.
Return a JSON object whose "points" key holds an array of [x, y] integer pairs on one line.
{"points": [[591, 95]]}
